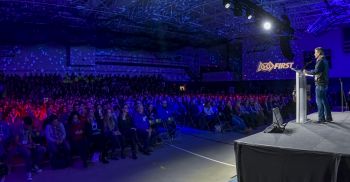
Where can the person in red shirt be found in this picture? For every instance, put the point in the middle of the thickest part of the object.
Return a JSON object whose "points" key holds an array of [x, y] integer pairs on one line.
{"points": [[77, 136]]}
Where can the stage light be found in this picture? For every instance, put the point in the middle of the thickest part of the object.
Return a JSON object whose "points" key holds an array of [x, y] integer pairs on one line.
{"points": [[227, 3], [267, 25], [249, 13]]}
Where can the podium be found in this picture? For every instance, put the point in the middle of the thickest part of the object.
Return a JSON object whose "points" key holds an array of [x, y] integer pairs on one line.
{"points": [[301, 96]]}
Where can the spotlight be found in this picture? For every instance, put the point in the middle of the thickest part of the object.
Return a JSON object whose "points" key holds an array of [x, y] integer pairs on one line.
{"points": [[267, 25], [249, 13], [227, 3]]}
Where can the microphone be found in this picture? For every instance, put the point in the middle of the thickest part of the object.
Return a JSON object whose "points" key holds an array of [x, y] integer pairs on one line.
{"points": [[307, 64]]}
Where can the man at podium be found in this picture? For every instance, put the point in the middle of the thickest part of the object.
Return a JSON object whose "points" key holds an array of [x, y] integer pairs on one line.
{"points": [[321, 81]]}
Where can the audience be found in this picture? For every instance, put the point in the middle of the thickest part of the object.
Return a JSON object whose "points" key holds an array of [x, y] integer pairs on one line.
{"points": [[89, 116]]}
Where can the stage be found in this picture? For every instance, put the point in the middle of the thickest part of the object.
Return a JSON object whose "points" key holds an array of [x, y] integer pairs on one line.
{"points": [[307, 152]]}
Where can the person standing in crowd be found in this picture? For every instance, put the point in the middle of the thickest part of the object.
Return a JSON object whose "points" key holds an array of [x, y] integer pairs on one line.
{"points": [[321, 81]]}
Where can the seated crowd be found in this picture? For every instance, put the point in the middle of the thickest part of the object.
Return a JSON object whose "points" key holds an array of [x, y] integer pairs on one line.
{"points": [[76, 120]]}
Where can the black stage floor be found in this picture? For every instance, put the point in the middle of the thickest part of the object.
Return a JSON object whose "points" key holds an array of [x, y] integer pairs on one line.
{"points": [[304, 152]]}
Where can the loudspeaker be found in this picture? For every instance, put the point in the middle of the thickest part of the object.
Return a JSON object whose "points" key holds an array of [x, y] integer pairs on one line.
{"points": [[277, 125], [286, 48], [273, 129]]}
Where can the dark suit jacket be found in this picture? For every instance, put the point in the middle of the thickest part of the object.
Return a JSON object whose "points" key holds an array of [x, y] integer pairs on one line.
{"points": [[320, 72]]}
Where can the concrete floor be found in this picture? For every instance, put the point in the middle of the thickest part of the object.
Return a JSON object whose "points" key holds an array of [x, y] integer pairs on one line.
{"points": [[195, 156]]}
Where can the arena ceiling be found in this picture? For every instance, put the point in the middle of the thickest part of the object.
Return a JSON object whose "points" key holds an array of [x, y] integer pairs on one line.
{"points": [[155, 24]]}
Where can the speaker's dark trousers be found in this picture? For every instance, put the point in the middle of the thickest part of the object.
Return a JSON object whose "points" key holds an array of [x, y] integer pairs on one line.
{"points": [[324, 111]]}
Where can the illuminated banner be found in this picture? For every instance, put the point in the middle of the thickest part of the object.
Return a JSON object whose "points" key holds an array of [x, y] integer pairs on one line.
{"points": [[269, 66]]}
